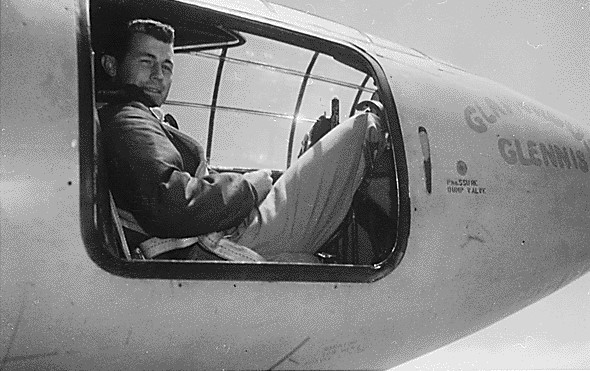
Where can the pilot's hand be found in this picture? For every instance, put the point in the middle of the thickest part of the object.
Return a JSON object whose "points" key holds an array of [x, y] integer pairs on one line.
{"points": [[262, 182]]}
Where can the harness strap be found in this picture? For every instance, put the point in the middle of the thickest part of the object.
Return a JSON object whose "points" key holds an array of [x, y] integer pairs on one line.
{"points": [[215, 243], [155, 246], [224, 248], [119, 227]]}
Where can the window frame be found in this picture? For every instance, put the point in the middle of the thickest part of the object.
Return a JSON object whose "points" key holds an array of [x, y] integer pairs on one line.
{"points": [[98, 230]]}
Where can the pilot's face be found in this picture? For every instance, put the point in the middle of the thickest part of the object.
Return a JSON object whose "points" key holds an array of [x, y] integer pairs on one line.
{"points": [[148, 64]]}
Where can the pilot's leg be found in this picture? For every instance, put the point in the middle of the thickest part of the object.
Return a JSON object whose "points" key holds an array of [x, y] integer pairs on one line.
{"points": [[310, 200]]}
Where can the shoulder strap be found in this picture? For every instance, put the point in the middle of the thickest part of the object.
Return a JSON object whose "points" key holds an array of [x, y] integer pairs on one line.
{"points": [[119, 227]]}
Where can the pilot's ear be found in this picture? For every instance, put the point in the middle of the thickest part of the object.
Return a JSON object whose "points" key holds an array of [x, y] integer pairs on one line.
{"points": [[109, 64]]}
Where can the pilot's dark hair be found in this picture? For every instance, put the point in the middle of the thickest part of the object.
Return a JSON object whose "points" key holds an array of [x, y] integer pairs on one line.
{"points": [[158, 30]]}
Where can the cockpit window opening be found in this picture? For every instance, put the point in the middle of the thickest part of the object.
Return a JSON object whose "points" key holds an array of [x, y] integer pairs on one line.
{"points": [[217, 97], [236, 68]]}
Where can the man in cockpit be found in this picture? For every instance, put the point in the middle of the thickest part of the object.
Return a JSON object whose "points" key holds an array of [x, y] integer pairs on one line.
{"points": [[159, 179]]}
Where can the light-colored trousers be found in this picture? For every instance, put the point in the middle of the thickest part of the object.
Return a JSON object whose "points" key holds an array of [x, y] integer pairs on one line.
{"points": [[311, 199]]}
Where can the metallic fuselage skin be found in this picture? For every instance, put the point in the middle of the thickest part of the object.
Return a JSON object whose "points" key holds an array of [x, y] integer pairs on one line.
{"points": [[504, 224]]}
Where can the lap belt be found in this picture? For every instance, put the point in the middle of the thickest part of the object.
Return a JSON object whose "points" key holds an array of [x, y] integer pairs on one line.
{"points": [[215, 243]]}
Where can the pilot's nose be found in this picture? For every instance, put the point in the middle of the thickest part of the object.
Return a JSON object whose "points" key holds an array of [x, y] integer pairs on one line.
{"points": [[157, 72]]}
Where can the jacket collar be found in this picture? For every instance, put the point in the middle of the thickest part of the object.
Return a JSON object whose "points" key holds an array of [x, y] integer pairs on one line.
{"points": [[127, 93]]}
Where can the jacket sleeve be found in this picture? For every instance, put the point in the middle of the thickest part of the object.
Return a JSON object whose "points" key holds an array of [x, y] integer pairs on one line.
{"points": [[147, 177]]}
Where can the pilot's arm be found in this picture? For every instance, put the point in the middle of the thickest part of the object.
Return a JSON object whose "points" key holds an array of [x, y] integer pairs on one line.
{"points": [[150, 178]]}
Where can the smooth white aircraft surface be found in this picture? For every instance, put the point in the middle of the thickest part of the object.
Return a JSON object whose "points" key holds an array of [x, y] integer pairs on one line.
{"points": [[478, 207]]}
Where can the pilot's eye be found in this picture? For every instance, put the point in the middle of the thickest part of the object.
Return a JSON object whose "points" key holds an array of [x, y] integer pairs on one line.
{"points": [[167, 68]]}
